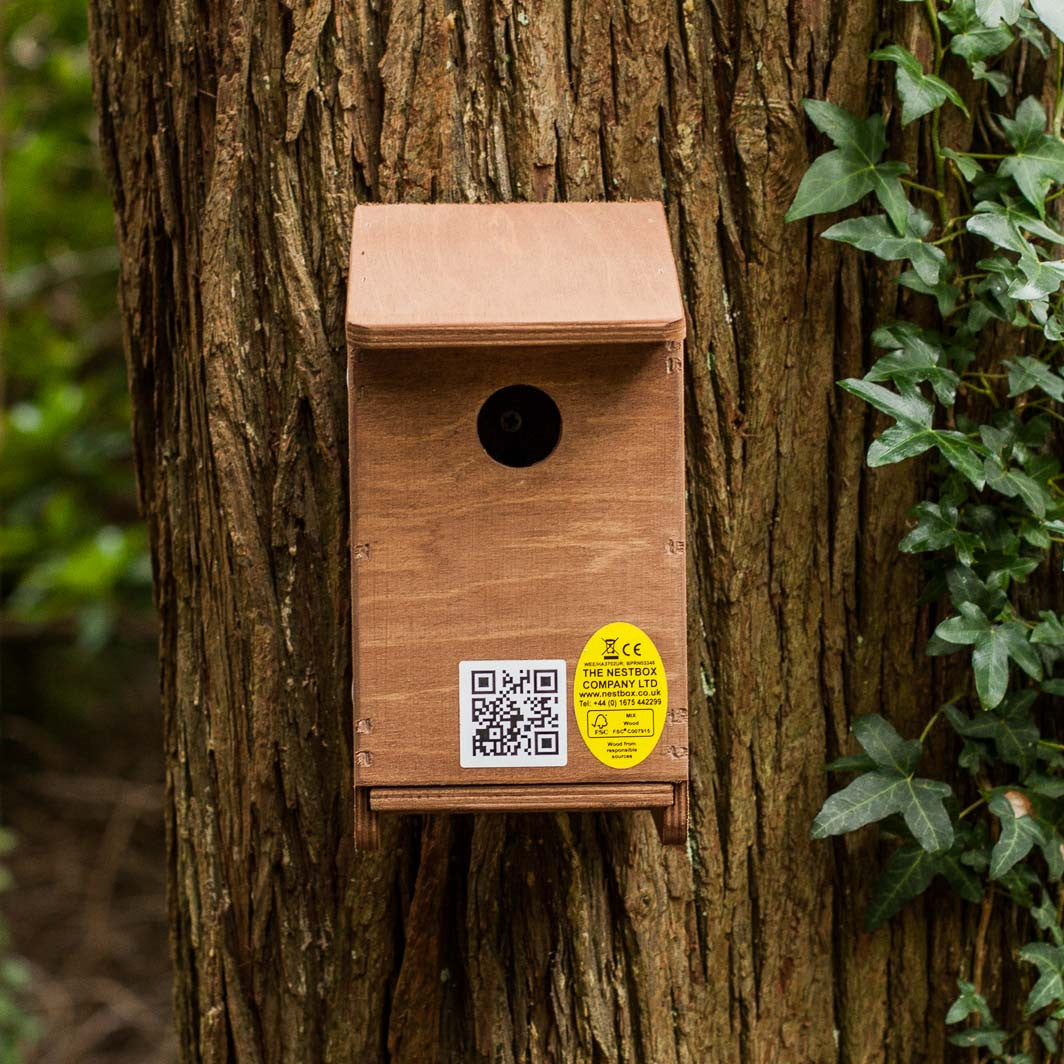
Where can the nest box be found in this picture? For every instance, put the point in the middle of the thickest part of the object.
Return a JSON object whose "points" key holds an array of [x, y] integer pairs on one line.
{"points": [[517, 511]]}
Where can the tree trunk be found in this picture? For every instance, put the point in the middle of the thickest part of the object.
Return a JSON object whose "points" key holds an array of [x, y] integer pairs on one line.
{"points": [[238, 137]]}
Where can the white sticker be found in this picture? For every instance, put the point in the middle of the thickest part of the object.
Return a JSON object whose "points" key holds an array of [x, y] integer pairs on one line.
{"points": [[513, 713]]}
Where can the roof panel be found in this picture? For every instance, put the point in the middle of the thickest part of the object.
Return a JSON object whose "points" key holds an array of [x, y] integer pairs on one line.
{"points": [[439, 274]]}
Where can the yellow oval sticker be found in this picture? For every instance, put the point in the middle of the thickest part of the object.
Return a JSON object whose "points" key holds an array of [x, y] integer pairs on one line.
{"points": [[620, 695]]}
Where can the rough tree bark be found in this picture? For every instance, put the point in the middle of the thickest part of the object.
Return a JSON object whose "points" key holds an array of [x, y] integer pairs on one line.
{"points": [[238, 137]]}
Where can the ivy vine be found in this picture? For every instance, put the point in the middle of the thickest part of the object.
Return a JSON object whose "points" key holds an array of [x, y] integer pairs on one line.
{"points": [[973, 380]]}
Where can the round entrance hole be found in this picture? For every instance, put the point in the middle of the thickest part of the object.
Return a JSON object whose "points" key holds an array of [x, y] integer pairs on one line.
{"points": [[519, 425]]}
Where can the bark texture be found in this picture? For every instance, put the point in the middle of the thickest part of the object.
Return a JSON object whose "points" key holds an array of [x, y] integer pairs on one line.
{"points": [[239, 136]]}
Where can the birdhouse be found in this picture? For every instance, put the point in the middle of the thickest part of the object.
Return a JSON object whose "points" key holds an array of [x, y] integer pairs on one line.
{"points": [[517, 511]]}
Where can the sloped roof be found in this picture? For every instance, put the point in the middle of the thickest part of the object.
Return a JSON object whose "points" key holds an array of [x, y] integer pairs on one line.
{"points": [[441, 274]]}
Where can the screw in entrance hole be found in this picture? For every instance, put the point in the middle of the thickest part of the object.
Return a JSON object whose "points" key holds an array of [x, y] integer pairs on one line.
{"points": [[519, 425], [511, 421]]}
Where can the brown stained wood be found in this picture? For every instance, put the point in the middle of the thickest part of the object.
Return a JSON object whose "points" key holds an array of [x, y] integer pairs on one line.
{"points": [[460, 274], [519, 797], [366, 821], [458, 557], [672, 820]]}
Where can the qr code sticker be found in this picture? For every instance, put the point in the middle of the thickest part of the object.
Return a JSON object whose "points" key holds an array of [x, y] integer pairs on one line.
{"points": [[513, 713]]}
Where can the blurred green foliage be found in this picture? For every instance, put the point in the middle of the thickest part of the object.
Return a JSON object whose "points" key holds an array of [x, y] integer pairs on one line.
{"points": [[72, 551], [73, 559], [18, 1029]]}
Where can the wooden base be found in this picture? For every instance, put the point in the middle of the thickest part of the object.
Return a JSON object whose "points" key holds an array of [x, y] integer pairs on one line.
{"points": [[541, 798], [668, 801]]}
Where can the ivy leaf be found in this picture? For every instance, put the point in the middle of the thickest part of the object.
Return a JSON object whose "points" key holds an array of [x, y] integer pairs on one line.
{"points": [[963, 454], [834, 181], [1025, 220], [1049, 960], [920, 93], [973, 39], [996, 530], [1050, 632], [885, 746], [852, 763], [990, 663], [903, 441], [969, 168], [1026, 373], [938, 529], [1051, 851], [1020, 650], [1016, 738], [968, 1001], [1052, 14], [992, 1038], [1038, 160], [1027, 125], [1047, 786], [965, 586], [965, 883], [1021, 882], [966, 629], [1040, 278], [946, 295], [868, 798], [1012, 483], [991, 647], [1030, 31], [1043, 468], [907, 874], [972, 757], [876, 795], [992, 12], [1052, 324], [1047, 1034], [840, 178], [915, 356], [912, 409], [984, 726], [994, 78], [1016, 741], [886, 183], [999, 229], [1019, 831], [898, 443], [925, 813], [875, 234], [1011, 568], [1004, 225], [867, 137], [1044, 915]]}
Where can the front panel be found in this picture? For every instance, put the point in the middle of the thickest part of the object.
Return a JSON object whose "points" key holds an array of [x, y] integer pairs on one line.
{"points": [[479, 581]]}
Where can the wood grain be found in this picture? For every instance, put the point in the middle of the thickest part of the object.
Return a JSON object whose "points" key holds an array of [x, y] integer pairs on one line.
{"points": [[456, 557], [461, 274], [673, 820], [541, 797]]}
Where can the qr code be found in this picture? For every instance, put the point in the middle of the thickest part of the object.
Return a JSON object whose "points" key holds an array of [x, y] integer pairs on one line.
{"points": [[513, 713]]}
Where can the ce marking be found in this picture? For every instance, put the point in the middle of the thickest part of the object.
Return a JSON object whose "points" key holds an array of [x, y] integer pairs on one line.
{"points": [[634, 652]]}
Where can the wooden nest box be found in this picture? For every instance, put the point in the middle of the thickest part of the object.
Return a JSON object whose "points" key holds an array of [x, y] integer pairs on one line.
{"points": [[517, 511]]}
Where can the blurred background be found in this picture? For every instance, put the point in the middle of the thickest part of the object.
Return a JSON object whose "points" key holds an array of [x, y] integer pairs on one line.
{"points": [[83, 941]]}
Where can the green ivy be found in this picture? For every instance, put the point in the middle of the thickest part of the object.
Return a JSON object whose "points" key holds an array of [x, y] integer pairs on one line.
{"points": [[973, 382]]}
